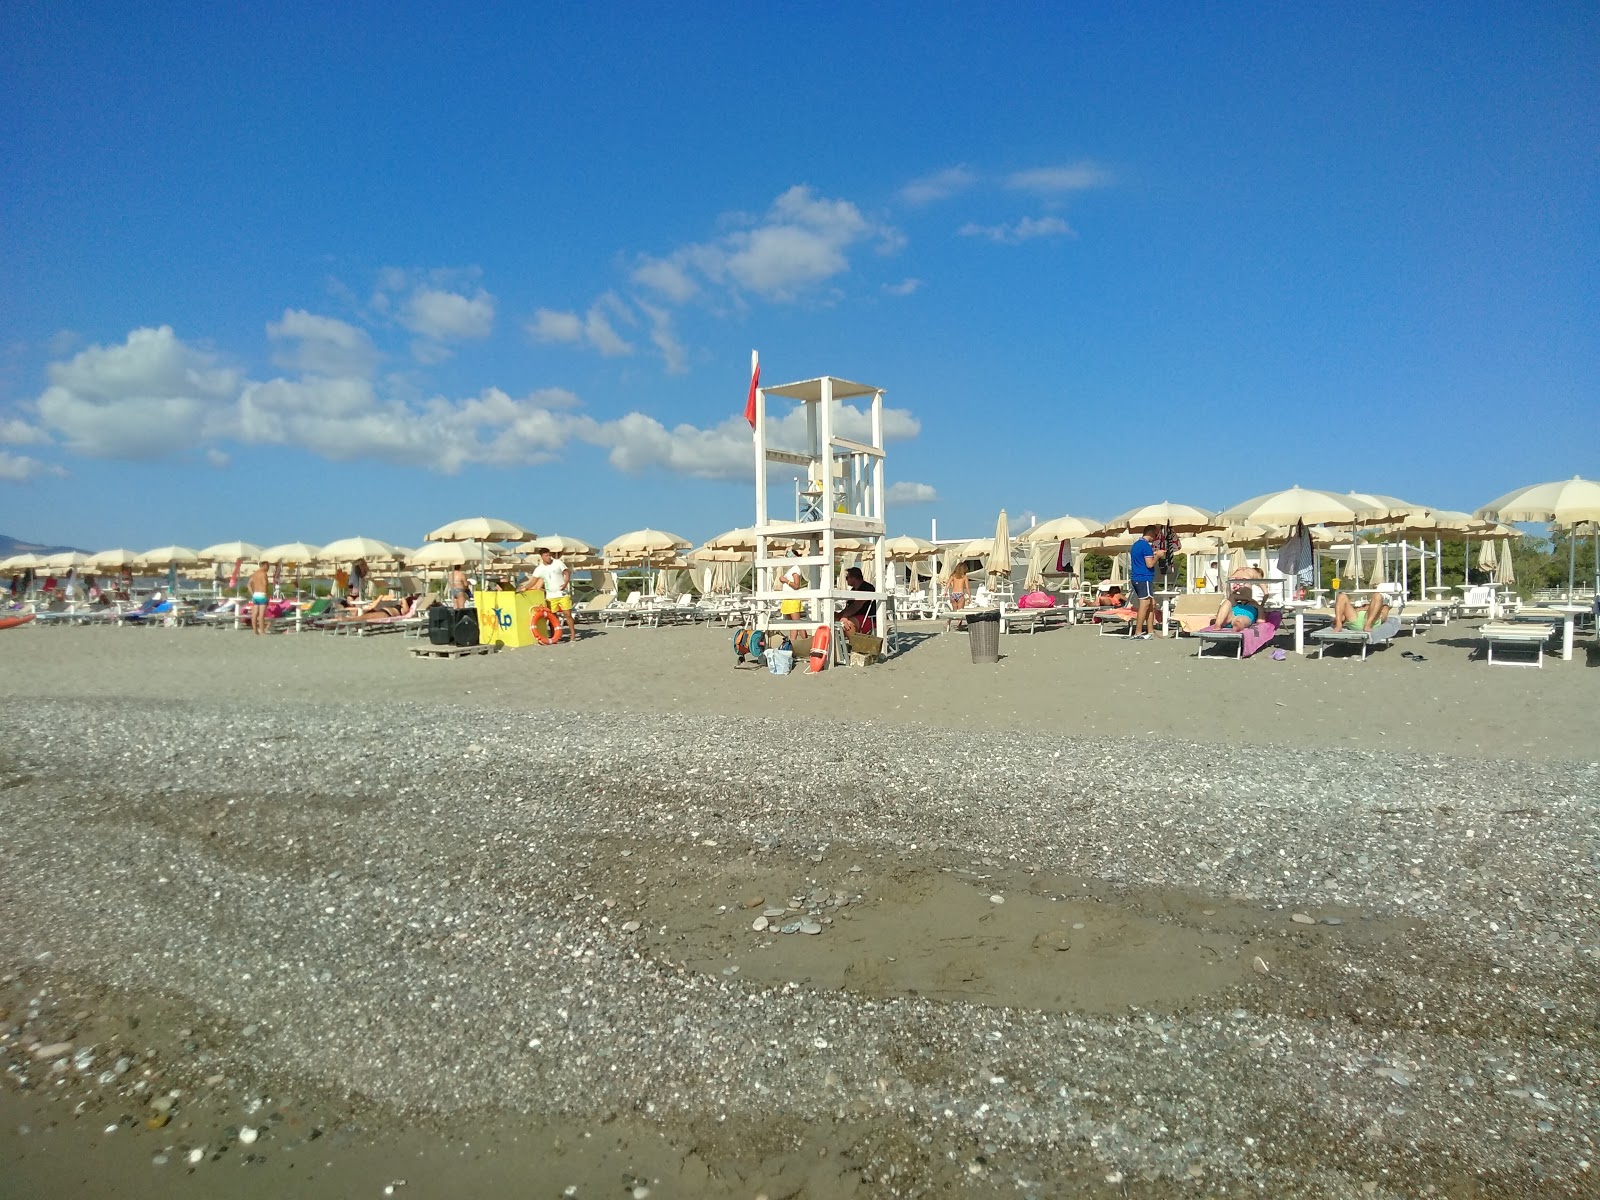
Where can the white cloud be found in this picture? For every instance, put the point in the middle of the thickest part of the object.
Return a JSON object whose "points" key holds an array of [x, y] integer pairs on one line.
{"points": [[594, 328], [802, 241], [345, 419], [906, 492], [217, 458], [150, 396], [638, 442], [1020, 231], [548, 325], [16, 432], [904, 288], [939, 185], [446, 315], [671, 279], [1072, 177], [601, 333], [665, 339], [321, 345], [19, 468]]}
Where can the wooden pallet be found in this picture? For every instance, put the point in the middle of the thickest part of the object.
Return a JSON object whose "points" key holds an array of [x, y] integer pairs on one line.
{"points": [[432, 651]]}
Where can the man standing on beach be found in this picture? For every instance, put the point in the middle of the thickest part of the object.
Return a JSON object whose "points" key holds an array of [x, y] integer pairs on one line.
{"points": [[1142, 578], [258, 599], [557, 580]]}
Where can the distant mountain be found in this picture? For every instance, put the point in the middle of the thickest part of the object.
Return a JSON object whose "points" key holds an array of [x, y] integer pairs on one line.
{"points": [[10, 545]]}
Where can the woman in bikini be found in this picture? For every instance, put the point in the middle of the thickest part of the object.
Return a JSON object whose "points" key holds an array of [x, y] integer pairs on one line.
{"points": [[960, 586], [459, 588]]}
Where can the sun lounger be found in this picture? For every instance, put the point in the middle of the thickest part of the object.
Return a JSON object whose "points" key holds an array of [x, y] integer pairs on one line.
{"points": [[1115, 622], [1243, 642], [1524, 635], [1379, 635], [591, 608]]}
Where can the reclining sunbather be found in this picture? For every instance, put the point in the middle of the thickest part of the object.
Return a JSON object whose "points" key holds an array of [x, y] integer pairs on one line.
{"points": [[1239, 611], [1347, 616]]}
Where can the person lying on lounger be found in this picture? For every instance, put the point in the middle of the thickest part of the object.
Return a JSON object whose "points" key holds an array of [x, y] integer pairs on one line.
{"points": [[1239, 611], [1347, 616]]}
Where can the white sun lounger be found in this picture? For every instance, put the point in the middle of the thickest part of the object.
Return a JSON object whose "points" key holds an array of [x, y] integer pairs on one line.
{"points": [[1521, 634], [1376, 636]]}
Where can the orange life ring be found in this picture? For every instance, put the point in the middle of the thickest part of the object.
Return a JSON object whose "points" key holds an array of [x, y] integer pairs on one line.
{"points": [[819, 650], [550, 619]]}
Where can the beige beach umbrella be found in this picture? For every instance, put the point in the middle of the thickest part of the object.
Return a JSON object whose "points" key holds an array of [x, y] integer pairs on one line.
{"points": [[26, 561], [1180, 518], [481, 529], [1303, 504], [1487, 559], [109, 560], [1508, 572], [291, 554], [643, 546], [563, 547], [168, 556], [1061, 529], [1564, 502], [227, 552], [998, 560], [351, 548], [67, 560], [450, 554], [905, 549], [1379, 573]]}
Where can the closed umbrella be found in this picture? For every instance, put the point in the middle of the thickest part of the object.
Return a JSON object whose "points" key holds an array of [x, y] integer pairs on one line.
{"points": [[1488, 561], [998, 560], [1379, 569], [1508, 572]]}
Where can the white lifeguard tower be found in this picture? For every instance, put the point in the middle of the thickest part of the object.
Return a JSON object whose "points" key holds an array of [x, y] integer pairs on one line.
{"points": [[844, 499]]}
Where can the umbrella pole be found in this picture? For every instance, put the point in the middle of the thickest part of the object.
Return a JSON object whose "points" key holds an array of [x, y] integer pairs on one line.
{"points": [[1572, 559]]}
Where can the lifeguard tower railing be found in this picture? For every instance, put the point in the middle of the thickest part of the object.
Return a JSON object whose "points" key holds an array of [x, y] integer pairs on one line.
{"points": [[847, 513]]}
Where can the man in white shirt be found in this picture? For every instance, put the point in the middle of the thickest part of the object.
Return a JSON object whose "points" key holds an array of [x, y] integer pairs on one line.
{"points": [[557, 580]]}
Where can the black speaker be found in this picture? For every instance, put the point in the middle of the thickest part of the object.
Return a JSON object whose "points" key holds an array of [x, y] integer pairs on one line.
{"points": [[466, 630], [441, 622]]}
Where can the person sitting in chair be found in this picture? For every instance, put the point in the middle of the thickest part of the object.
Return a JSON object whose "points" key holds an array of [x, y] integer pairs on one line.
{"points": [[859, 616], [1109, 595], [1347, 616]]}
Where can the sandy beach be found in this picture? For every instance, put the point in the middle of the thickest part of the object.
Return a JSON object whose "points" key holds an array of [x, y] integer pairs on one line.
{"points": [[617, 918]]}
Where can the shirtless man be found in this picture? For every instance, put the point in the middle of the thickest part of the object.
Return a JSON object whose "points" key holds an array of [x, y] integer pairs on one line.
{"points": [[258, 600]]}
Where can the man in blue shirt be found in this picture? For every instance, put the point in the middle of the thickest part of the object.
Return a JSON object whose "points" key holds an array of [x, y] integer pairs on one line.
{"points": [[1142, 578]]}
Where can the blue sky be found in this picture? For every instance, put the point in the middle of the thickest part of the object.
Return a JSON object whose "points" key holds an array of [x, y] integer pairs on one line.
{"points": [[312, 271]]}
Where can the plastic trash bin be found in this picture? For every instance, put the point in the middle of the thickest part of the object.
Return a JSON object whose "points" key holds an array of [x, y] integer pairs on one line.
{"points": [[983, 636]]}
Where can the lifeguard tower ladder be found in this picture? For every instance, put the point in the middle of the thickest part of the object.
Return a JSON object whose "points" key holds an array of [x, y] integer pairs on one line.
{"points": [[845, 477]]}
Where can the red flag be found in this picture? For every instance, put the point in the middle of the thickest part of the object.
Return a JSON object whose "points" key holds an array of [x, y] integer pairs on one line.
{"points": [[234, 581], [755, 382]]}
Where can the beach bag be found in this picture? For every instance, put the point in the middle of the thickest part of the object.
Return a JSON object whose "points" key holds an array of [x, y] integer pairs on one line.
{"points": [[780, 660], [1037, 600]]}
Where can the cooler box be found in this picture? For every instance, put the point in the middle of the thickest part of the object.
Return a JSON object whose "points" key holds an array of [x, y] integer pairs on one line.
{"points": [[441, 623]]}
